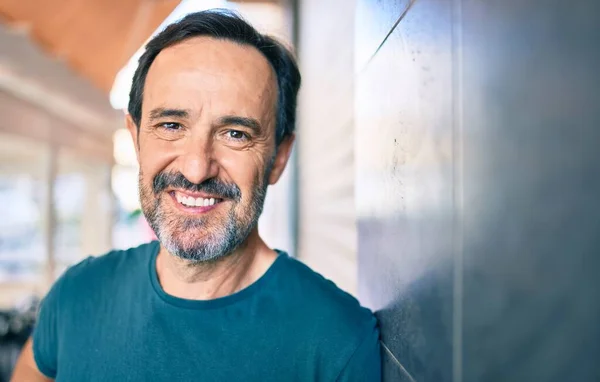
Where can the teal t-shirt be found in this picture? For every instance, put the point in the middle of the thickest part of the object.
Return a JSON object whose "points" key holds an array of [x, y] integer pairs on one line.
{"points": [[108, 319]]}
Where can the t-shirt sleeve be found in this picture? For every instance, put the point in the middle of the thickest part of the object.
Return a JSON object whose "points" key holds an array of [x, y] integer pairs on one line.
{"points": [[45, 336], [46, 331], [365, 363]]}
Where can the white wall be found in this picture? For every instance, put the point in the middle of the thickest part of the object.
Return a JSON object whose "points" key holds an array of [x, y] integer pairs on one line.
{"points": [[327, 231]]}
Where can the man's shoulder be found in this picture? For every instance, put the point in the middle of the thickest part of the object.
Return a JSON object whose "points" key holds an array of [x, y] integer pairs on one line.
{"points": [[108, 266], [321, 298], [326, 320]]}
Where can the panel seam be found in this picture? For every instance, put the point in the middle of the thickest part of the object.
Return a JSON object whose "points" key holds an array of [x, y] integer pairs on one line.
{"points": [[458, 192], [396, 361], [392, 29]]}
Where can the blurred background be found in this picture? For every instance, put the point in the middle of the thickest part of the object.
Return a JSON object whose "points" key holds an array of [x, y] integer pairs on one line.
{"points": [[446, 171]]}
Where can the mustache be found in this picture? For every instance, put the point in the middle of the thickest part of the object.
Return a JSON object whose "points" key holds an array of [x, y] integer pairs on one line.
{"points": [[211, 186]]}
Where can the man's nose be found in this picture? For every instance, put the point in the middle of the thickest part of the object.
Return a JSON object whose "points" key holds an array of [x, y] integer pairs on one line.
{"points": [[197, 162]]}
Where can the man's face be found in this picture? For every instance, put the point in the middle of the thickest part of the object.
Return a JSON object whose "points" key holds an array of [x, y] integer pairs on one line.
{"points": [[206, 145]]}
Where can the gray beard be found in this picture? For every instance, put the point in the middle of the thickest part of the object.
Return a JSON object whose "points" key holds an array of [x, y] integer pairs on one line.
{"points": [[219, 243], [222, 240]]}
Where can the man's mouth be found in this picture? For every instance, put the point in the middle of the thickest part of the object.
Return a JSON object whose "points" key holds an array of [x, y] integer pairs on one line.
{"points": [[195, 201]]}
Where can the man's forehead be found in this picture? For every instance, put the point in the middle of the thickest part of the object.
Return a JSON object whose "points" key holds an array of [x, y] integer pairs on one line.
{"points": [[204, 74], [214, 60]]}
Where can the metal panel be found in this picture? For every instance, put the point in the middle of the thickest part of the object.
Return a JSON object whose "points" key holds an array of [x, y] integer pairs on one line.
{"points": [[477, 162], [531, 165], [405, 190], [375, 19]]}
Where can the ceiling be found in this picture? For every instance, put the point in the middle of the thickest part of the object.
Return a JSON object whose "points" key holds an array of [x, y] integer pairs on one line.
{"points": [[94, 37], [59, 59]]}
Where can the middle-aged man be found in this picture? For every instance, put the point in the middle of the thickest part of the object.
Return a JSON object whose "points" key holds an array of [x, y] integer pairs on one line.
{"points": [[212, 110]]}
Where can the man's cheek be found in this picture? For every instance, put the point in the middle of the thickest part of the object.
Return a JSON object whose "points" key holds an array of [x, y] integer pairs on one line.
{"points": [[157, 155]]}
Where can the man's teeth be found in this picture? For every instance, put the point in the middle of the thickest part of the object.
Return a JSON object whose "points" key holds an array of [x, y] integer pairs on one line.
{"points": [[195, 202]]}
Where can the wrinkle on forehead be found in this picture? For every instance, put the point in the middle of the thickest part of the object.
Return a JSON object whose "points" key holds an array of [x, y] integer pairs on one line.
{"points": [[210, 70]]}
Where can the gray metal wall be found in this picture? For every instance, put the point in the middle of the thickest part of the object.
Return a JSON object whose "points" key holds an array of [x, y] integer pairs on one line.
{"points": [[477, 186]]}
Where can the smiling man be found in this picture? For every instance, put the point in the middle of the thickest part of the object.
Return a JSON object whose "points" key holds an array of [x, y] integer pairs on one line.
{"points": [[212, 111]]}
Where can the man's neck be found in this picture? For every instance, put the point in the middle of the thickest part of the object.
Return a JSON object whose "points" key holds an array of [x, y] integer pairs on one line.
{"points": [[219, 278]]}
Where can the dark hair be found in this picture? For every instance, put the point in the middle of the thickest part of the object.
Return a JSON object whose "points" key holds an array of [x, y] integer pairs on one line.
{"points": [[224, 24]]}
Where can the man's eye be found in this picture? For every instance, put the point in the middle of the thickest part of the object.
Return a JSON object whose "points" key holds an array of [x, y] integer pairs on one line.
{"points": [[237, 135], [170, 126]]}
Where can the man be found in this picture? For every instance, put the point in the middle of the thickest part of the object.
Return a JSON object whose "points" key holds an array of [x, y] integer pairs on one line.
{"points": [[212, 112]]}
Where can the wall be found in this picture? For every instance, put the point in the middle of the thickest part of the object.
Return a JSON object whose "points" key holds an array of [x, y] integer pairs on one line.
{"points": [[476, 186], [277, 223], [325, 140]]}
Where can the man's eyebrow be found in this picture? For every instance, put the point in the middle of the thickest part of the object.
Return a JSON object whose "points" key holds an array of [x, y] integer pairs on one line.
{"points": [[161, 112], [248, 122]]}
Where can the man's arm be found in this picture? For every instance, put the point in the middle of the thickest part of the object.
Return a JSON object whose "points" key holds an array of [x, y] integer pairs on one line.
{"points": [[39, 359], [26, 369]]}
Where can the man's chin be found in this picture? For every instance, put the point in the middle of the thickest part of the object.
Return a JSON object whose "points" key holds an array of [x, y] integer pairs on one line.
{"points": [[196, 257], [196, 249], [194, 254]]}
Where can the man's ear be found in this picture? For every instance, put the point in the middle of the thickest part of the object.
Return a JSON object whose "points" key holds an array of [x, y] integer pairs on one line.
{"points": [[283, 155], [134, 131]]}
